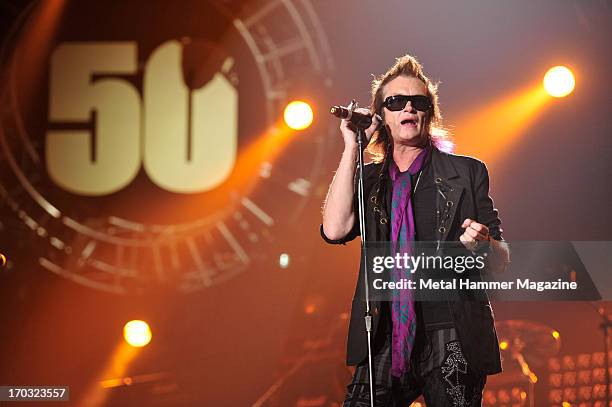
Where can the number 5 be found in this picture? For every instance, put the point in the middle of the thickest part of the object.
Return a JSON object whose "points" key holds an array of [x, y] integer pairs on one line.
{"points": [[108, 160], [175, 158]]}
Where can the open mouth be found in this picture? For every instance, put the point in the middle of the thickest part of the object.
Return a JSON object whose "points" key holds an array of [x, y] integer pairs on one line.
{"points": [[409, 122]]}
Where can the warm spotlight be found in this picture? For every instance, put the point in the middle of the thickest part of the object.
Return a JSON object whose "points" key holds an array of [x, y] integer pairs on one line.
{"points": [[556, 334], [298, 115], [559, 81], [503, 345], [284, 260], [137, 333], [490, 131]]}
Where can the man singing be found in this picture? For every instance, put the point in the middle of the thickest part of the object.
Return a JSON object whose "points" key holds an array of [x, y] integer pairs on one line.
{"points": [[415, 191]]}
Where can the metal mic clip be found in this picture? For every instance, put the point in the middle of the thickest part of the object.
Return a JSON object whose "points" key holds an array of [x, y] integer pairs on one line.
{"points": [[351, 108]]}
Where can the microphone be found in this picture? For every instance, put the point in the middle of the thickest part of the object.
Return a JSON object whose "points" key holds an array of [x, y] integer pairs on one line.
{"points": [[360, 120]]}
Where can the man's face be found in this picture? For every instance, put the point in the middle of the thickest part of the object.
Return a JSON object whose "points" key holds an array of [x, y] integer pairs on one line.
{"points": [[405, 124]]}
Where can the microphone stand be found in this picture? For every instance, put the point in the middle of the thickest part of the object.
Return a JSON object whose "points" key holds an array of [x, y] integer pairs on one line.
{"points": [[361, 198]]}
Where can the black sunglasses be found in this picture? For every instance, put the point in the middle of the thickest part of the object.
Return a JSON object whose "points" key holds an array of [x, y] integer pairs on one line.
{"points": [[399, 102]]}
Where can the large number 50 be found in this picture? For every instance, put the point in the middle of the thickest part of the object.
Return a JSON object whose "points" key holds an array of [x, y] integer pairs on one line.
{"points": [[178, 156]]}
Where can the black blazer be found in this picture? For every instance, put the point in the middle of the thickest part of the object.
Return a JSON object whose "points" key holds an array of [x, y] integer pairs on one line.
{"points": [[463, 192]]}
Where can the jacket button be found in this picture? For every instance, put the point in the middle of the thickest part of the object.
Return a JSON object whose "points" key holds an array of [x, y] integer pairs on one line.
{"points": [[449, 203], [442, 229], [438, 180], [383, 221]]}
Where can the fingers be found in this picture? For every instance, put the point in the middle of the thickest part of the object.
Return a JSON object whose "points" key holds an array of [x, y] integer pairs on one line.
{"points": [[376, 121], [349, 131], [347, 127], [344, 124], [474, 232], [351, 128], [475, 226], [468, 242], [349, 134], [479, 228]]}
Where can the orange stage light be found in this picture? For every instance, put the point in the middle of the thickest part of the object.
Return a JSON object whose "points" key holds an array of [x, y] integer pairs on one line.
{"points": [[116, 366], [298, 115], [137, 333], [492, 129], [559, 81]]}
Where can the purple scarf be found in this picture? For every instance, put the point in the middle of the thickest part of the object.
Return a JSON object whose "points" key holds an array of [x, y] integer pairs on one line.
{"points": [[402, 235]]}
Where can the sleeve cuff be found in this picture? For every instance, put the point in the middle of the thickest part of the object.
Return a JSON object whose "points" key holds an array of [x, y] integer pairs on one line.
{"points": [[331, 241]]}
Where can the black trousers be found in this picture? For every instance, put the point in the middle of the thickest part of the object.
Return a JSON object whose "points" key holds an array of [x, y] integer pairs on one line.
{"points": [[438, 371]]}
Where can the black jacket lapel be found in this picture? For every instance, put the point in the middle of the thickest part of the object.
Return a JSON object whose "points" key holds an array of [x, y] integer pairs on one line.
{"points": [[449, 193]]}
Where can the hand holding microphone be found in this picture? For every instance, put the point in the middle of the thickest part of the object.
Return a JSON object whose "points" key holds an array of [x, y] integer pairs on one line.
{"points": [[353, 118]]}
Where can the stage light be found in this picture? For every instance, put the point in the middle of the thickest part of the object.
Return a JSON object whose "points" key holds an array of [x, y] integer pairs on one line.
{"points": [[503, 345], [479, 133], [598, 375], [556, 334], [2, 260], [569, 362], [554, 364], [137, 333], [569, 394], [298, 115], [555, 396], [583, 361], [599, 391], [584, 377], [559, 81], [555, 380], [503, 396], [585, 392], [569, 378], [598, 359], [489, 397], [283, 260]]}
